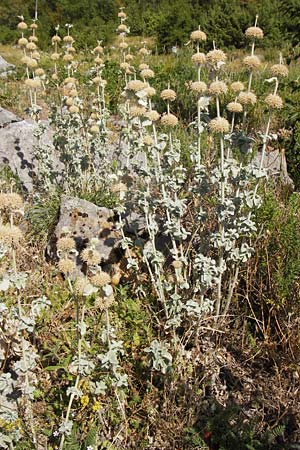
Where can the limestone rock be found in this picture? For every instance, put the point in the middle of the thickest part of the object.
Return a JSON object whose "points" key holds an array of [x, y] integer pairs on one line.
{"points": [[5, 67], [87, 221], [275, 163]]}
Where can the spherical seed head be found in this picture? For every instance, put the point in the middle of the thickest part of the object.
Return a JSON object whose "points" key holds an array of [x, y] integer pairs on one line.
{"points": [[22, 42], [25, 60], [33, 39], [124, 65], [143, 51], [36, 55], [94, 129], [54, 76], [168, 95], [198, 87], [137, 111], [99, 49], [11, 201], [34, 83], [123, 45], [22, 26], [68, 39], [98, 61], [73, 93], [66, 244], [34, 26], [143, 66], [237, 86], [128, 57], [247, 98], [80, 286], [122, 15], [31, 46], [219, 125], [32, 63], [153, 115], [136, 85], [216, 56], [56, 38], [71, 49], [73, 109], [69, 101], [96, 80], [169, 120], [217, 88], [235, 107], [198, 35], [254, 33], [251, 62], [147, 73], [90, 256], [101, 279], [150, 91], [177, 264], [66, 266], [122, 28], [274, 101], [279, 70], [148, 140], [55, 56], [68, 57], [39, 72], [71, 80], [199, 58], [10, 234]]}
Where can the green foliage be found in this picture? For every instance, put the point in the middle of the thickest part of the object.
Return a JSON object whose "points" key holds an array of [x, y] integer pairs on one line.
{"points": [[42, 216]]}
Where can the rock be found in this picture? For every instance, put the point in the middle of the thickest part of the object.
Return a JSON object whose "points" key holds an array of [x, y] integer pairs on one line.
{"points": [[275, 163], [18, 144], [5, 67], [87, 221]]}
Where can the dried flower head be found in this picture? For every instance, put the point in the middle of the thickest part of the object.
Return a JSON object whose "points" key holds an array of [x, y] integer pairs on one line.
{"points": [[219, 125], [235, 107], [66, 266], [168, 95], [22, 26], [153, 115], [99, 49], [237, 86], [274, 101], [122, 15], [123, 45], [216, 56], [34, 26], [148, 140], [217, 88], [11, 201], [68, 39], [31, 63], [98, 61], [101, 279], [39, 72], [71, 49], [198, 35], [90, 256], [25, 59], [55, 56], [251, 62], [247, 98], [73, 93], [143, 51], [73, 109], [22, 42], [10, 234], [254, 33], [94, 129], [122, 28], [119, 188], [56, 38], [136, 85], [66, 243], [129, 57], [54, 76], [81, 285], [150, 91], [199, 58], [31, 46], [137, 111], [36, 55], [68, 57], [198, 86], [147, 73], [33, 39], [177, 264], [279, 70], [104, 303], [169, 120], [124, 65], [33, 83]]}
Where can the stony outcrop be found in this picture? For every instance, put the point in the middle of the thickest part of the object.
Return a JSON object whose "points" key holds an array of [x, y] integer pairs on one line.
{"points": [[5, 67]]}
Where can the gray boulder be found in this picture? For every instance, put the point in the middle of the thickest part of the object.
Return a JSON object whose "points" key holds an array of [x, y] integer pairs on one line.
{"points": [[5, 67], [275, 163]]}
